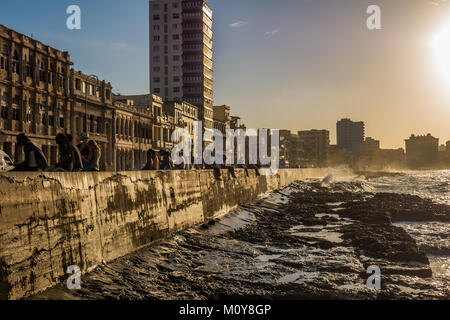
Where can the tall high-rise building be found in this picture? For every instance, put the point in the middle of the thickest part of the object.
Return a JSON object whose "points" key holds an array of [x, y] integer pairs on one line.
{"points": [[350, 135], [181, 56]]}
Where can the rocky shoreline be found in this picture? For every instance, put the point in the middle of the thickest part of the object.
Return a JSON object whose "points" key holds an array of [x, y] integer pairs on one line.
{"points": [[306, 241]]}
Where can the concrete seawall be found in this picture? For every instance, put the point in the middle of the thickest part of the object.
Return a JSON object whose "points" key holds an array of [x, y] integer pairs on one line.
{"points": [[49, 221]]}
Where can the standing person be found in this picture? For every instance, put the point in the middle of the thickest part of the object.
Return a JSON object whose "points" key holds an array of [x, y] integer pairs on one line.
{"points": [[94, 156], [66, 154], [35, 159], [78, 163]]}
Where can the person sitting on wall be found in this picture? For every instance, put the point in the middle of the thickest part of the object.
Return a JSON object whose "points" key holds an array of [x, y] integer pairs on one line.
{"points": [[182, 165], [84, 151], [93, 160], [35, 159], [166, 161], [78, 164], [230, 168], [150, 164], [66, 154]]}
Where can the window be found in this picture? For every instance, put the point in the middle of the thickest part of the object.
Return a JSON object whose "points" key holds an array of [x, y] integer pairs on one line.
{"points": [[156, 69], [77, 84], [156, 48], [108, 94], [157, 90], [176, 68], [175, 5], [15, 62], [176, 47], [5, 58], [5, 111], [175, 26], [16, 114], [176, 79], [156, 17], [156, 38], [176, 16], [156, 59], [91, 123], [61, 122], [156, 27], [16, 99], [155, 7], [176, 58], [176, 37], [176, 89], [42, 75], [51, 121], [157, 80], [99, 125]]}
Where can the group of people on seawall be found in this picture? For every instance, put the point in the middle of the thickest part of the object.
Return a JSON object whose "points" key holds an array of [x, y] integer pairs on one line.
{"points": [[86, 157], [72, 158]]}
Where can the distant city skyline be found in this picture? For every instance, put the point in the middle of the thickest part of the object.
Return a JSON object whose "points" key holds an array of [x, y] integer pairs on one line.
{"points": [[287, 64]]}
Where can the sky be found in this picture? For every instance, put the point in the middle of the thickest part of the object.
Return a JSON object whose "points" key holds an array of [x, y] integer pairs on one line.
{"points": [[283, 64]]}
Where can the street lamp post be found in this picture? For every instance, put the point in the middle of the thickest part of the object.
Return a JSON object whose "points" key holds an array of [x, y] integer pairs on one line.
{"points": [[140, 136], [85, 101]]}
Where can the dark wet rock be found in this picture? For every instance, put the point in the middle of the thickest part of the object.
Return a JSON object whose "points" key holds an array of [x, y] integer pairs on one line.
{"points": [[316, 245], [384, 242], [411, 208]]}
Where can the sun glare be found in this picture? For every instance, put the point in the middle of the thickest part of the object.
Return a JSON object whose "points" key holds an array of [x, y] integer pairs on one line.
{"points": [[441, 46]]}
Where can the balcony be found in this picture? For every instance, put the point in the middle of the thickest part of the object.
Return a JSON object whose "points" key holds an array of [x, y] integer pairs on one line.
{"points": [[157, 144]]}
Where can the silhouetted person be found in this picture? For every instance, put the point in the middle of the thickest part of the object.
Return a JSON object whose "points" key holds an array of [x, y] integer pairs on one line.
{"points": [[182, 165], [78, 161], [166, 161], [84, 151], [66, 153], [35, 159], [93, 160], [152, 161], [230, 168]]}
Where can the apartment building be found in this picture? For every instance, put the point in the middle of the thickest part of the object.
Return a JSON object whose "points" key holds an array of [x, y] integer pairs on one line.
{"points": [[34, 93], [181, 56], [315, 145], [421, 151], [222, 118], [350, 135]]}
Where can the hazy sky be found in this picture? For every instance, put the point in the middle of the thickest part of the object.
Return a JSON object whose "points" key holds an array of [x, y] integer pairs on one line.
{"points": [[287, 64]]}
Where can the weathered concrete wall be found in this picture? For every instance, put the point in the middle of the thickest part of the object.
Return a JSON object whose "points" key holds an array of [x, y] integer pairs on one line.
{"points": [[49, 221]]}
